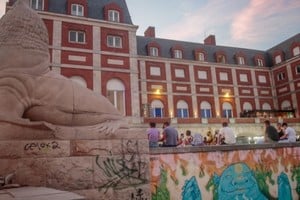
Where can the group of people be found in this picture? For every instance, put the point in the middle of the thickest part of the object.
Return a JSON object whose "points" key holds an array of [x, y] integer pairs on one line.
{"points": [[171, 138], [283, 133]]}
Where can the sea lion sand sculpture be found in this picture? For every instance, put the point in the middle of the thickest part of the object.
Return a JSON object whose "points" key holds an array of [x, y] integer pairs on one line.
{"points": [[33, 96]]}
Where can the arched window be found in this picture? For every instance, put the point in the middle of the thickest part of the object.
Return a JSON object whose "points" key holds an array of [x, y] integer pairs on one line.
{"points": [[266, 106], [226, 110], [286, 105], [247, 106], [182, 109], [205, 109], [157, 108], [116, 94], [79, 80]]}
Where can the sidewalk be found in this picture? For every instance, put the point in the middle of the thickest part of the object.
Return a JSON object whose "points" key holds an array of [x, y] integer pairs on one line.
{"points": [[37, 193]]}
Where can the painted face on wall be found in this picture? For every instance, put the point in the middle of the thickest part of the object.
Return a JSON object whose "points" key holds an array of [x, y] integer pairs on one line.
{"points": [[238, 182]]}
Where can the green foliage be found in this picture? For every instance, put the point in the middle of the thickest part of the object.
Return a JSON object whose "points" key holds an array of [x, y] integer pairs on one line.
{"points": [[162, 192]]}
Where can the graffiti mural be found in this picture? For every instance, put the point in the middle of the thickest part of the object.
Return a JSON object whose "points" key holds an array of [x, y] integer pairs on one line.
{"points": [[260, 174], [190, 190], [125, 170]]}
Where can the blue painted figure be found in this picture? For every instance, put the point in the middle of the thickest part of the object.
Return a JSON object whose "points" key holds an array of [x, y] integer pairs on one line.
{"points": [[237, 182], [284, 187], [191, 190]]}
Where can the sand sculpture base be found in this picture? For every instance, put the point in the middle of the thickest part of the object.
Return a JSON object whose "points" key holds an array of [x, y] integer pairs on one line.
{"points": [[93, 165]]}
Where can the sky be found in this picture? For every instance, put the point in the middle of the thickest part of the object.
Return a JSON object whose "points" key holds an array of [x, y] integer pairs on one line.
{"points": [[253, 24]]}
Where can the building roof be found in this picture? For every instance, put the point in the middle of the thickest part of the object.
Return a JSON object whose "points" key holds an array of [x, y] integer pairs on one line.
{"points": [[95, 8], [189, 47]]}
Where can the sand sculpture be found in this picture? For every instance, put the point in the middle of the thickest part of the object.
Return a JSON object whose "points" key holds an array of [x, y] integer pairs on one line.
{"points": [[31, 95]]}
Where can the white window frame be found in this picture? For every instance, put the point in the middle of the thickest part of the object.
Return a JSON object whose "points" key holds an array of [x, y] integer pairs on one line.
{"points": [[201, 56], [36, 5], [278, 59], [260, 62], [113, 16], [155, 71], [76, 11], [116, 87], [281, 76], [179, 73], [221, 59], [205, 109], [223, 76], [297, 69], [244, 78], [202, 75], [296, 51], [157, 105], [153, 51], [241, 60], [114, 41], [262, 79], [177, 53], [182, 107], [77, 36]]}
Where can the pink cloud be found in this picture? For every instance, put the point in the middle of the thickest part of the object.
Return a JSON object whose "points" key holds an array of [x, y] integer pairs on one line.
{"points": [[264, 18]]}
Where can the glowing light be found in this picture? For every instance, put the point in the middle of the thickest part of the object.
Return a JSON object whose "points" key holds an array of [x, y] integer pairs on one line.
{"points": [[226, 95], [195, 114], [157, 91]]}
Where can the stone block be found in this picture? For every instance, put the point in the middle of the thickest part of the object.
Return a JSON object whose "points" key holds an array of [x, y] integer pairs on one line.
{"points": [[70, 173], [91, 147], [122, 171]]}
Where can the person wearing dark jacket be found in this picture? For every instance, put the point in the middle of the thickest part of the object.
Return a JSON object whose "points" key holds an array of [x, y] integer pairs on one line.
{"points": [[271, 134]]}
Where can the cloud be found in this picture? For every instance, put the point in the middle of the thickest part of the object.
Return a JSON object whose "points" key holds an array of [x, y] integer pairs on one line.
{"points": [[2, 8], [203, 20], [263, 20]]}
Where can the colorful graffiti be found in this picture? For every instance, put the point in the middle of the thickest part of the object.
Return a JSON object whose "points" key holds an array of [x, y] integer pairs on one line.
{"points": [[262, 174]]}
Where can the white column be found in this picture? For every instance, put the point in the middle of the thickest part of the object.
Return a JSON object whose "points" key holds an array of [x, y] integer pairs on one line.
{"points": [[255, 91], [56, 43], [236, 93], [292, 88], [169, 89], [193, 90], [96, 60], [215, 91]]}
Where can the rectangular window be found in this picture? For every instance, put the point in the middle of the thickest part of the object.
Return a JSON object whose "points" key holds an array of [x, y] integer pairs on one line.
{"points": [[202, 75], [277, 59], [201, 56], [298, 69], [179, 73], [281, 76], [77, 10], [296, 51], [157, 112], [221, 59], [262, 79], [260, 62], [37, 4], [223, 76], [177, 54], [205, 113], [227, 113], [241, 60], [77, 36], [182, 113], [243, 78], [114, 41], [113, 16], [153, 51], [155, 71]]}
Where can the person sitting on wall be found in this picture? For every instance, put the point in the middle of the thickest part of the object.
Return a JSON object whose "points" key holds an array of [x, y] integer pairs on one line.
{"points": [[181, 140], [271, 134], [280, 129], [289, 134], [226, 134], [153, 135], [189, 137], [197, 140], [170, 135]]}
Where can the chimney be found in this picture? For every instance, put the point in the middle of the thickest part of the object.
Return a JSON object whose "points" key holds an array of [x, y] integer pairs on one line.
{"points": [[150, 32], [210, 40]]}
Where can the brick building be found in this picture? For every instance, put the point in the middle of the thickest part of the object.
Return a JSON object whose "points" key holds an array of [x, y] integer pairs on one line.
{"points": [[94, 43]]}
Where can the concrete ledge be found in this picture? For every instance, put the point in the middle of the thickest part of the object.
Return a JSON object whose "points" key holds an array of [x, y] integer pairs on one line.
{"points": [[37, 193], [213, 148]]}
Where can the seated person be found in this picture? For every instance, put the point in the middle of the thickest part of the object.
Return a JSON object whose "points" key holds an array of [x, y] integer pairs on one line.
{"points": [[289, 134], [197, 140], [189, 137], [271, 134]]}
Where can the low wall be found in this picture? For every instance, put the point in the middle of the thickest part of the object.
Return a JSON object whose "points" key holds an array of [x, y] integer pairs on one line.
{"points": [[261, 171], [94, 165]]}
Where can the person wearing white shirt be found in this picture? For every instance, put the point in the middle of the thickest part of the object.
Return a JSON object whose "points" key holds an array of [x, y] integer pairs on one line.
{"points": [[226, 134], [289, 134]]}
